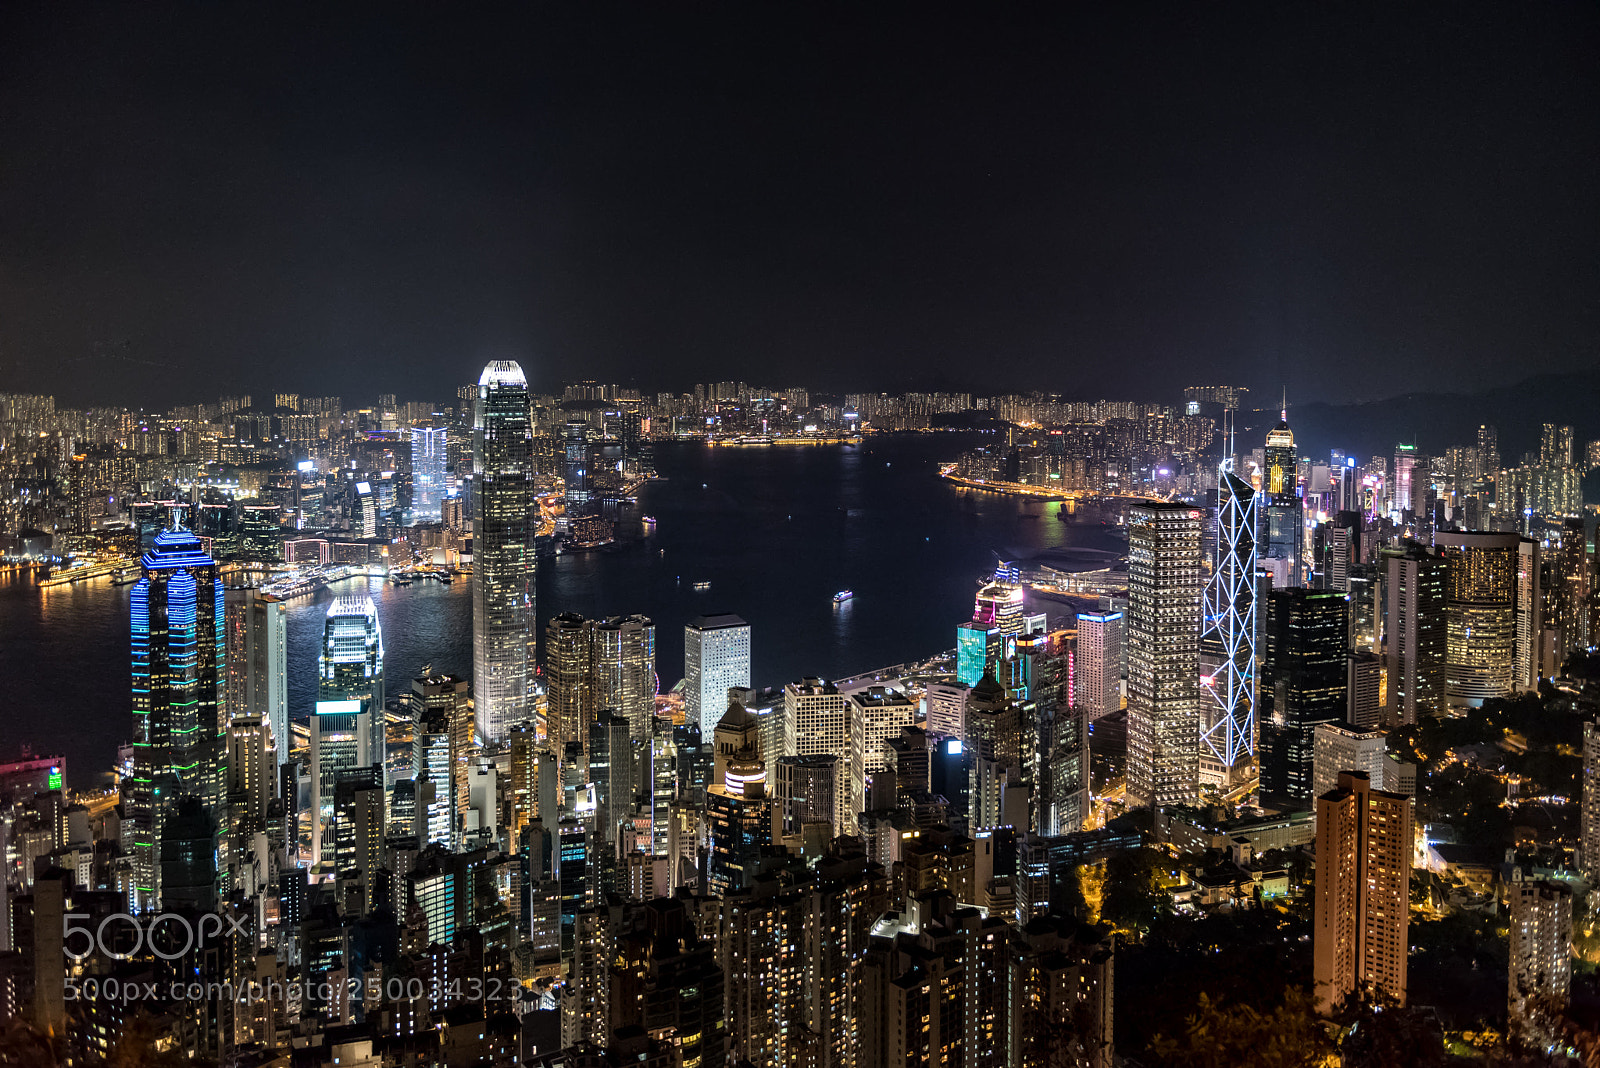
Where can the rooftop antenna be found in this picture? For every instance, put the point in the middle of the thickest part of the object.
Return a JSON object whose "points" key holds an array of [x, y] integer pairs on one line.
{"points": [[1283, 413]]}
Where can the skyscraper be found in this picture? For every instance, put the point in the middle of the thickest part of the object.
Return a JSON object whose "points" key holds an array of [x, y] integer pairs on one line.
{"points": [[567, 658], [1589, 807], [1282, 517], [817, 722], [1414, 633], [257, 661], [1302, 684], [350, 667], [504, 523], [429, 458], [177, 626], [716, 658], [1097, 669], [1164, 615], [1480, 601], [1360, 918], [625, 670], [1228, 647]]}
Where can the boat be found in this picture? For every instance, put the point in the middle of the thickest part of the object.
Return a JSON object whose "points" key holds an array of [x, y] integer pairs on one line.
{"points": [[701, 587], [126, 577], [842, 596]]}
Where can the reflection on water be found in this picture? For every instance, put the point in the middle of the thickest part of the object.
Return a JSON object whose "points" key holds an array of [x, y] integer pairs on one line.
{"points": [[775, 532]]}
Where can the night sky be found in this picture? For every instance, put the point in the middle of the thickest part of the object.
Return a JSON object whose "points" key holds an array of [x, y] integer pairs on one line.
{"points": [[325, 199]]}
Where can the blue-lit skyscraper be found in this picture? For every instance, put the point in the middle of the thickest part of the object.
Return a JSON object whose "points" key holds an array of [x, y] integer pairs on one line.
{"points": [[1228, 646], [350, 666], [428, 460], [504, 522], [177, 657]]}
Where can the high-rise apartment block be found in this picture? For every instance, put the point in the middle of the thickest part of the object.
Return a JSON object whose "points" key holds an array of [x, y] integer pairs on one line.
{"points": [[716, 658], [504, 521], [1360, 918], [1164, 618], [1540, 971]]}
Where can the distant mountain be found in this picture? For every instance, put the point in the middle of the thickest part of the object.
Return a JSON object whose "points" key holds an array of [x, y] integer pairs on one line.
{"points": [[1435, 421]]}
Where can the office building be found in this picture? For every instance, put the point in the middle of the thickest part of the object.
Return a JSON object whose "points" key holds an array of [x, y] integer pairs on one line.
{"points": [[1336, 748], [341, 738], [1282, 514], [1097, 665], [816, 718], [1531, 622], [716, 658], [1480, 615], [257, 658], [358, 825], [177, 644], [947, 709], [1304, 667], [1571, 590], [350, 667], [568, 663], [1164, 617], [978, 650], [429, 465], [999, 606], [1228, 646], [504, 521], [1413, 633], [806, 795], [873, 716], [1540, 971], [442, 705], [1400, 484], [1363, 691], [1361, 912], [624, 670]]}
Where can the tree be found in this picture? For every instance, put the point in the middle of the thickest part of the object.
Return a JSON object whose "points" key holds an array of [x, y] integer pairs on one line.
{"points": [[1134, 893], [1222, 1036], [26, 1046]]}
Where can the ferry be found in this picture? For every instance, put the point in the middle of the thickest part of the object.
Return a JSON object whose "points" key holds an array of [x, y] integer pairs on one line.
{"points": [[842, 596], [701, 587]]}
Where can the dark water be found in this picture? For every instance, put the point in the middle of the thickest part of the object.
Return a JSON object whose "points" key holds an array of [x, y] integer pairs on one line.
{"points": [[775, 531]]}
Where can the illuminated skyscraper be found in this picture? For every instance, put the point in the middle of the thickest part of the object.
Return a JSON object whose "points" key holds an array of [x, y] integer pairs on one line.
{"points": [[1097, 668], [999, 606], [567, 659], [504, 523], [257, 661], [1282, 516], [350, 667], [1228, 647], [1164, 615], [1480, 615], [178, 698], [1305, 663], [625, 670], [1363, 894], [1414, 633], [429, 449], [716, 658], [1400, 486], [977, 651]]}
